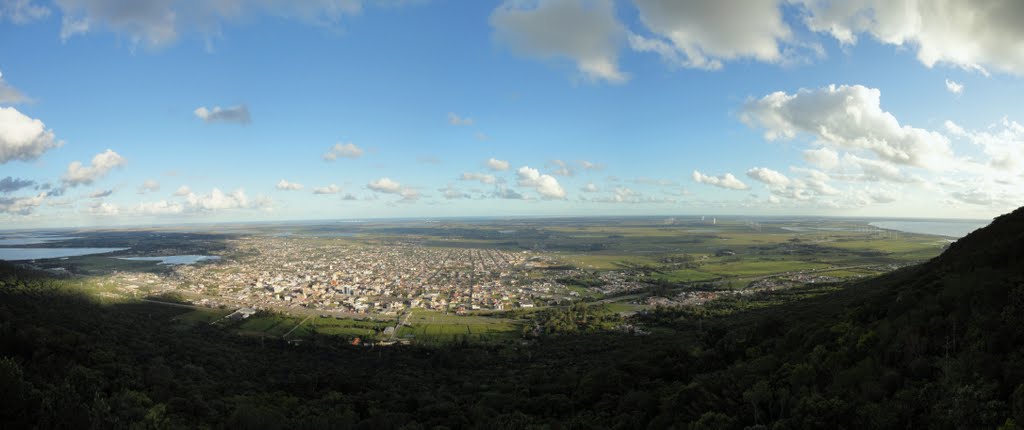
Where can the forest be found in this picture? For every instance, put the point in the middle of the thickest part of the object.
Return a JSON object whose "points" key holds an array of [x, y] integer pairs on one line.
{"points": [[936, 345]]}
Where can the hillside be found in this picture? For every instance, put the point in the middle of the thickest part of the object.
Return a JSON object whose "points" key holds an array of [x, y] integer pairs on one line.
{"points": [[932, 346]]}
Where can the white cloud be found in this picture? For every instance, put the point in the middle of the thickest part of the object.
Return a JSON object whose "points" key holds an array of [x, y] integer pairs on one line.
{"points": [[1003, 143], [561, 168], [589, 188], [218, 200], [965, 33], [235, 114], [330, 189], [824, 158], [21, 205], [483, 178], [450, 193], [9, 94], [584, 31], [149, 185], [954, 87], [104, 209], [586, 165], [102, 163], [23, 138], [22, 11], [878, 170], [348, 150], [768, 176], [288, 186], [497, 165], [546, 185], [454, 119], [723, 181], [848, 117], [183, 190], [162, 207], [159, 23], [701, 34], [385, 185]]}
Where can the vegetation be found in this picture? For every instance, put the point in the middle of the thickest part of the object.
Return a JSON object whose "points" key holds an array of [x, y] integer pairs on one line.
{"points": [[931, 346]]}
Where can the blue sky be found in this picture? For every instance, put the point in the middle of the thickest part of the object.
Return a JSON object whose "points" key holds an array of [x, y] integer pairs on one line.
{"points": [[228, 110]]}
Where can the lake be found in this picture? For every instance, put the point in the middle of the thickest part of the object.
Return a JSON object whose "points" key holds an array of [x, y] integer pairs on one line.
{"points": [[13, 254], [174, 259], [31, 240], [948, 228]]}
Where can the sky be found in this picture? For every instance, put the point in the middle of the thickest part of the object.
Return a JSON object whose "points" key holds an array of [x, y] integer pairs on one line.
{"points": [[122, 112]]}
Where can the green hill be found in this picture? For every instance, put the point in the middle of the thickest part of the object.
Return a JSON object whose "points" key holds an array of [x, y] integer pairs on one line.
{"points": [[933, 346]]}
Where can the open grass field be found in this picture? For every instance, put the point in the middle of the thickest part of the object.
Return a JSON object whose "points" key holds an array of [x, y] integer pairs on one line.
{"points": [[436, 327]]}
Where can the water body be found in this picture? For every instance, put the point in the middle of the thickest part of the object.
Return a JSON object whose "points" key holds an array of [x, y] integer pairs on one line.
{"points": [[952, 228], [175, 259], [31, 240], [14, 254]]}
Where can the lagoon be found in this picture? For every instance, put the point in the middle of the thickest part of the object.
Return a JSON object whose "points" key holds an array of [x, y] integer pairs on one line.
{"points": [[948, 228], [174, 259], [14, 254]]}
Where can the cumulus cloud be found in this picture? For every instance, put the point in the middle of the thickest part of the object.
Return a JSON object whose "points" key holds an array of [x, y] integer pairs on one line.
{"points": [[102, 163], [23, 138], [824, 158], [348, 150], [540, 28], [561, 168], [219, 200], [288, 186], [497, 165], [727, 181], [1002, 143], [589, 188], [962, 33], [149, 185], [954, 87], [330, 189], [235, 114], [546, 185], [385, 185], [104, 209], [162, 207], [848, 117], [182, 191], [11, 184], [21, 205], [159, 23], [9, 94], [450, 193], [483, 178], [878, 170], [454, 119], [768, 176], [702, 34]]}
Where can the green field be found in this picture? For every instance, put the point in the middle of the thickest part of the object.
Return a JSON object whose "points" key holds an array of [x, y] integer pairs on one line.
{"points": [[202, 316], [435, 327]]}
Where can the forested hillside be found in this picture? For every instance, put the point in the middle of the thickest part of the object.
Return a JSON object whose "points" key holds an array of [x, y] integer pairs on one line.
{"points": [[933, 346]]}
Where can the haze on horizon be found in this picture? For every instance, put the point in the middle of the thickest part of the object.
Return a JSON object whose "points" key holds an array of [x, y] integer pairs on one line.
{"points": [[162, 112]]}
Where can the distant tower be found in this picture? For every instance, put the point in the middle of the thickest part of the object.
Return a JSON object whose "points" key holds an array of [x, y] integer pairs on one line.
{"points": [[714, 221], [702, 217]]}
